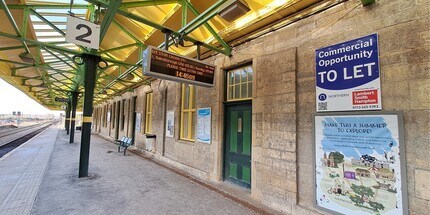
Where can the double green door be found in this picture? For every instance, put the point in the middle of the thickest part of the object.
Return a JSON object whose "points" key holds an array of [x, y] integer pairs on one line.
{"points": [[238, 144]]}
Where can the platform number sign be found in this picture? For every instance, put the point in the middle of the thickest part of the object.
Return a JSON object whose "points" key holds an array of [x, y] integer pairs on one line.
{"points": [[82, 32]]}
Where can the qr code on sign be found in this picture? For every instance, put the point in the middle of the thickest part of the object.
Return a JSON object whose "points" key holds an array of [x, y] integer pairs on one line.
{"points": [[322, 105]]}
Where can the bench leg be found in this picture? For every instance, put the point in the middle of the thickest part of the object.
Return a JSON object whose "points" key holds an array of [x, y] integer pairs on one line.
{"points": [[125, 149], [119, 148]]}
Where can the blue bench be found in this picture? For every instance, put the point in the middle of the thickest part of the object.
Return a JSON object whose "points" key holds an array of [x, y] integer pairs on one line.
{"points": [[125, 142]]}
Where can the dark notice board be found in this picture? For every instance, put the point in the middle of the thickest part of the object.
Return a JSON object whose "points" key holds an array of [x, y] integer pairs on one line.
{"points": [[170, 66]]}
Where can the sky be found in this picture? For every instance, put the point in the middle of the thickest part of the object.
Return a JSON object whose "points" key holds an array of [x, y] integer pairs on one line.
{"points": [[12, 99]]}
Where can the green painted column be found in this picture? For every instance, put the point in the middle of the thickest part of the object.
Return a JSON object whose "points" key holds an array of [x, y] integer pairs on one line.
{"points": [[73, 118], [91, 62], [68, 117]]}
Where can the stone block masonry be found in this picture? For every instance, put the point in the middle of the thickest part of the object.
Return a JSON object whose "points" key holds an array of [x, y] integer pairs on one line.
{"points": [[283, 101]]}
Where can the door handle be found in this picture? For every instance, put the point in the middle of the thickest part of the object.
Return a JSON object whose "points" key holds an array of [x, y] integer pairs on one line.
{"points": [[239, 124]]}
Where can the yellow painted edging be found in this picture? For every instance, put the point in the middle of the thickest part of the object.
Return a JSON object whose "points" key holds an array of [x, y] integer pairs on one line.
{"points": [[87, 119]]}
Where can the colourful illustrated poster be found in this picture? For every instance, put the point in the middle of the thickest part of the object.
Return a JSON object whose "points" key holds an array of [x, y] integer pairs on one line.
{"points": [[358, 164]]}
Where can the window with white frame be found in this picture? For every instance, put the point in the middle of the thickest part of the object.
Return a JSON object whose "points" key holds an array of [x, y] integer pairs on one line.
{"points": [[239, 84]]}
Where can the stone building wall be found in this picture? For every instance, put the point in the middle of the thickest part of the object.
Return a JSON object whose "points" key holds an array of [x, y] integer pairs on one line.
{"points": [[284, 101]]}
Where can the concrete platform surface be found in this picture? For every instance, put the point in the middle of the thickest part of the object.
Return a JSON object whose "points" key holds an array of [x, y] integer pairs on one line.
{"points": [[117, 184]]}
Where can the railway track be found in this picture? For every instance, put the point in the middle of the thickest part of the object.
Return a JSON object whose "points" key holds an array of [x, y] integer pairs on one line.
{"points": [[11, 139]]}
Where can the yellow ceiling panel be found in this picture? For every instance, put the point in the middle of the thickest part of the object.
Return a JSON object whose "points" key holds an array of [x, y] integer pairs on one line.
{"points": [[124, 38]]}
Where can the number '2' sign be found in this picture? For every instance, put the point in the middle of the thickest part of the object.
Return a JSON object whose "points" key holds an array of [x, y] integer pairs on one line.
{"points": [[82, 32]]}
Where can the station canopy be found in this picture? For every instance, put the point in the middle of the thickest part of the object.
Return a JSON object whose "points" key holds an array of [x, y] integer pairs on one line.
{"points": [[35, 58]]}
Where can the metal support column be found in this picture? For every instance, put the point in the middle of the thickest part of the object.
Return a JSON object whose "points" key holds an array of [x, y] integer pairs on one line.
{"points": [[91, 62], [73, 118], [68, 117], [166, 38], [198, 51]]}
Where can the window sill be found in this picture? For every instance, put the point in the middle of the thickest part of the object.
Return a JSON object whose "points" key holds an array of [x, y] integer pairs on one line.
{"points": [[186, 141]]}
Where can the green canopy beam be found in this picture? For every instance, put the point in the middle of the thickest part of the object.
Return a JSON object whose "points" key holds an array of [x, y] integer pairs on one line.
{"points": [[60, 59], [147, 3], [4, 6], [25, 23], [47, 22], [209, 27], [15, 47], [42, 66], [54, 47], [125, 30], [109, 16], [15, 62], [184, 14], [159, 27], [48, 6], [119, 48]]}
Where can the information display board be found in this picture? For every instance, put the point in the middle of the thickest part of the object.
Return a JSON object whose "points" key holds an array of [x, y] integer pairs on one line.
{"points": [[348, 76], [170, 123], [204, 125], [360, 163], [170, 66], [138, 122]]}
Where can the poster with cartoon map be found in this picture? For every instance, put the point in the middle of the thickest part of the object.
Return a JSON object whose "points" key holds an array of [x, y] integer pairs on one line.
{"points": [[358, 167]]}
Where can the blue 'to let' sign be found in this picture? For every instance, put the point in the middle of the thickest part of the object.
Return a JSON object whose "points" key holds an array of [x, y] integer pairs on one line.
{"points": [[349, 64]]}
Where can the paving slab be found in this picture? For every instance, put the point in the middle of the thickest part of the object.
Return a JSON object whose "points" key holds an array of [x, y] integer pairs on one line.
{"points": [[121, 185], [21, 173]]}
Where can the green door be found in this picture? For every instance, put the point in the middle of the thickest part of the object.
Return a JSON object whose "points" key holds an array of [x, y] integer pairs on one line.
{"points": [[237, 160]]}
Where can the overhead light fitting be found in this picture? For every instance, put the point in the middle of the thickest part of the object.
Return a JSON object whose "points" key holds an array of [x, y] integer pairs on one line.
{"points": [[129, 77], [234, 10], [367, 2], [27, 57]]}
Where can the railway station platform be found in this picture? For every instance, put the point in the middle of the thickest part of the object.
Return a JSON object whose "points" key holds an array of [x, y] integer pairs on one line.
{"points": [[41, 177]]}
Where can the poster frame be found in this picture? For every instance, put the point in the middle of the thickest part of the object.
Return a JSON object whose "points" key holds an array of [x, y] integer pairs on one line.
{"points": [[210, 125], [138, 122], [168, 113], [402, 152]]}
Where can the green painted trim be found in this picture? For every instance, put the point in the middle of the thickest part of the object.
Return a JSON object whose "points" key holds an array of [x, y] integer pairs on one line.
{"points": [[120, 62], [25, 23], [127, 32], [13, 23], [48, 6], [210, 29], [119, 48], [147, 3], [203, 17], [15, 47], [60, 59], [43, 66], [109, 17], [39, 43], [159, 27], [15, 62], [184, 13]]}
